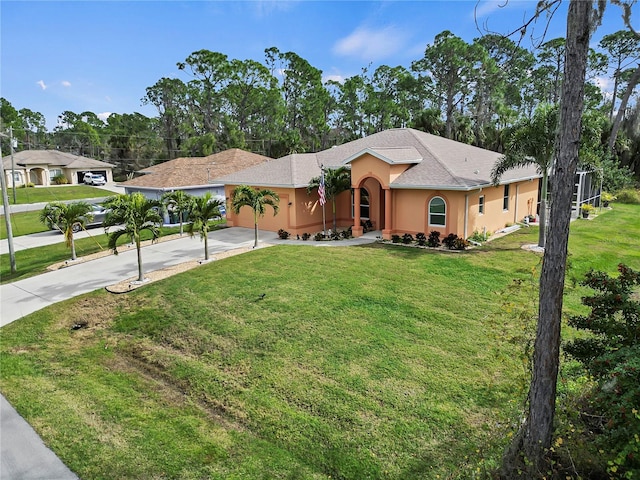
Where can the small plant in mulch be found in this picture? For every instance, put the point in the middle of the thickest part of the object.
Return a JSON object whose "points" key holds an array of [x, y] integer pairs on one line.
{"points": [[283, 234], [449, 241], [421, 238], [395, 238], [407, 238], [306, 236], [434, 239], [319, 237]]}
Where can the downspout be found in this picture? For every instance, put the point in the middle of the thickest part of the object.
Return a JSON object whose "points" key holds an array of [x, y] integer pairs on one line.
{"points": [[466, 212], [515, 213]]}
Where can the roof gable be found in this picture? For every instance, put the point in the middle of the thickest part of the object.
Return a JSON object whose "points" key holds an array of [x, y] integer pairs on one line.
{"points": [[392, 156], [55, 158]]}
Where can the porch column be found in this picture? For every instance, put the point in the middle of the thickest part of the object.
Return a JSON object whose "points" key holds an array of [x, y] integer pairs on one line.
{"points": [[357, 229], [386, 231]]}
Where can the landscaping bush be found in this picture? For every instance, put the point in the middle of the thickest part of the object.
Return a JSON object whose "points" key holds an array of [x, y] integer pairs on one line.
{"points": [[407, 238], [479, 237], [460, 244], [395, 238], [450, 240], [434, 239], [335, 235], [346, 233], [283, 234], [60, 180], [421, 238], [628, 196], [367, 225], [611, 355], [306, 236], [318, 237]]}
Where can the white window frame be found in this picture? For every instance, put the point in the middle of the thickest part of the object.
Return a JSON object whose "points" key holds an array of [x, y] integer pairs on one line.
{"points": [[505, 198], [481, 205], [438, 214]]}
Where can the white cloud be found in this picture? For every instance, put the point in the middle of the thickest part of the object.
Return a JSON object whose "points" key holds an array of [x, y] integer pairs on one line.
{"points": [[604, 83], [104, 115], [371, 45], [335, 78], [66, 83], [43, 86], [484, 8]]}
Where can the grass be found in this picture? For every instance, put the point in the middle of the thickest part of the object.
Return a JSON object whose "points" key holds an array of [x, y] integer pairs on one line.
{"points": [[23, 223], [55, 194], [378, 362]]}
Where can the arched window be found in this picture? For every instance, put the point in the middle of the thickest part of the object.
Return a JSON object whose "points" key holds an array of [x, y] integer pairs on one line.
{"points": [[437, 212]]}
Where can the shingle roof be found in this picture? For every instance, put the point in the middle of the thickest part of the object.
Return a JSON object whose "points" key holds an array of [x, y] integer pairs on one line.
{"points": [[438, 163], [294, 170], [196, 171], [55, 158]]}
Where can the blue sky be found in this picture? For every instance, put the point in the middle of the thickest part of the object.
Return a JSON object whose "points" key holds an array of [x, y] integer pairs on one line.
{"points": [[100, 56]]}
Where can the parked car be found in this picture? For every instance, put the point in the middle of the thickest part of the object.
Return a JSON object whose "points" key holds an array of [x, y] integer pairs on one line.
{"points": [[98, 214], [94, 179]]}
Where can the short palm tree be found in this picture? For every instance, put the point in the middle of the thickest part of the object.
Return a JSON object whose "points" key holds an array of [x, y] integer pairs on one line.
{"points": [[179, 202], [67, 217], [202, 210], [336, 181], [532, 142], [134, 213], [257, 199]]}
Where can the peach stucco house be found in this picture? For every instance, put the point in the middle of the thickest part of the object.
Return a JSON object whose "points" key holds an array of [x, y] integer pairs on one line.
{"points": [[403, 181]]}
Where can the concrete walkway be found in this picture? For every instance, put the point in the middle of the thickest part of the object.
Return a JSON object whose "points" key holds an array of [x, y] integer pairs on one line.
{"points": [[23, 455]]}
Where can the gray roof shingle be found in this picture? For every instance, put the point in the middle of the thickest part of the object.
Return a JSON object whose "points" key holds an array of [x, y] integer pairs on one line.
{"points": [[437, 163]]}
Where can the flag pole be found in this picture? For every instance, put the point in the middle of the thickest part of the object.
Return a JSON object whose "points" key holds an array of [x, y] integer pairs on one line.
{"points": [[323, 202]]}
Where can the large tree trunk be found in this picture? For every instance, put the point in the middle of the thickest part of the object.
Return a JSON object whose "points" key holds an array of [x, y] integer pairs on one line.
{"points": [[635, 79], [530, 448]]}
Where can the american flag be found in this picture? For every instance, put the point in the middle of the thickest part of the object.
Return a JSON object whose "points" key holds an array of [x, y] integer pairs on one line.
{"points": [[321, 192]]}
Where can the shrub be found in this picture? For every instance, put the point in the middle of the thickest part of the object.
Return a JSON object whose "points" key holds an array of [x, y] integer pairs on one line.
{"points": [[27, 185], [283, 234], [60, 179], [335, 235], [587, 208], [434, 239], [460, 244], [346, 233], [421, 238], [407, 238], [306, 236], [367, 225], [318, 237], [629, 196], [611, 355], [479, 237], [449, 241], [395, 238]]}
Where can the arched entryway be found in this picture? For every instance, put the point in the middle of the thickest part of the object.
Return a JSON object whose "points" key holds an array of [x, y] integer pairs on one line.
{"points": [[369, 200]]}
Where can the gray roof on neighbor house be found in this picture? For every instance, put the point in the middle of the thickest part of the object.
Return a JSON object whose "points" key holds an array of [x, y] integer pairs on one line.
{"points": [[54, 158], [437, 163]]}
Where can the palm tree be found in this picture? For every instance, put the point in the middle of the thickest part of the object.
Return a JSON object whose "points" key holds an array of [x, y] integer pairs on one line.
{"points": [[202, 210], [336, 181], [179, 202], [532, 142], [135, 213], [68, 218], [257, 199]]}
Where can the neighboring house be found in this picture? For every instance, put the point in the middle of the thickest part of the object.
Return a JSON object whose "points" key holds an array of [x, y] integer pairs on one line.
{"points": [[403, 181], [40, 167], [193, 175]]}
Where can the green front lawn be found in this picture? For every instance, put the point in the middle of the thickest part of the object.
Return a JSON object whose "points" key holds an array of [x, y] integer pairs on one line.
{"points": [[380, 362], [24, 223], [55, 194]]}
